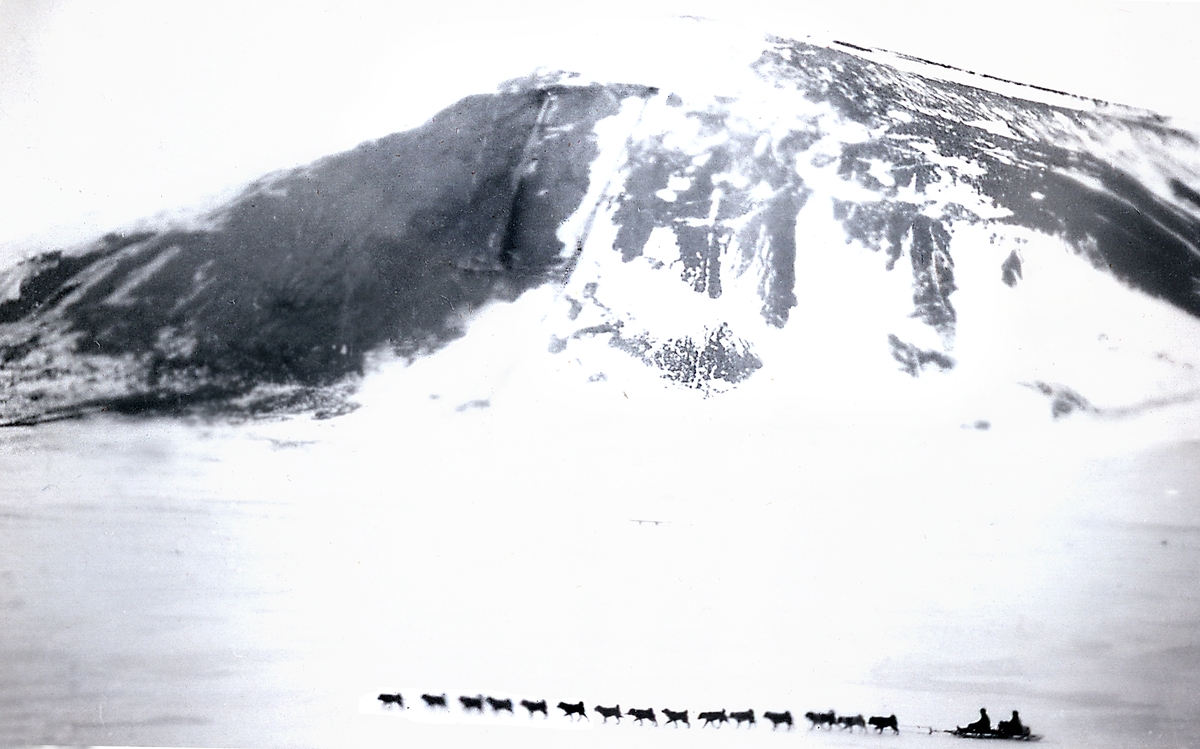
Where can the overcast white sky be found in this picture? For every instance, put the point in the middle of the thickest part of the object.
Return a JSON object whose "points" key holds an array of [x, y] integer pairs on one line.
{"points": [[114, 111]]}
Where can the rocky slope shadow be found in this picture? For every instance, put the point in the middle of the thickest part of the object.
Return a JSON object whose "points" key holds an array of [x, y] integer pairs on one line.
{"points": [[390, 244]]}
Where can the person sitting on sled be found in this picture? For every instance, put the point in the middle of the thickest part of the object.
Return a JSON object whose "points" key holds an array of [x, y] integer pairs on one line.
{"points": [[1011, 727], [983, 725]]}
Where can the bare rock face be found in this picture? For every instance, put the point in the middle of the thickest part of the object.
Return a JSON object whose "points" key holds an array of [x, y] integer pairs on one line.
{"points": [[683, 232], [275, 307]]}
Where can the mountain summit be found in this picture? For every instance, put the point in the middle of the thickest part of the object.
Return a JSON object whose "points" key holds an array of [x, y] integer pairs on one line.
{"points": [[842, 208]]}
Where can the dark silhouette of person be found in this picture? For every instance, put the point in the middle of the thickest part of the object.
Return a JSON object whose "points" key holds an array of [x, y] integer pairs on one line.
{"points": [[983, 725], [1011, 727]]}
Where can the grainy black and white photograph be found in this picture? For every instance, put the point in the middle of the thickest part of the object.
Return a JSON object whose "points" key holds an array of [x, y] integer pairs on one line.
{"points": [[657, 374]]}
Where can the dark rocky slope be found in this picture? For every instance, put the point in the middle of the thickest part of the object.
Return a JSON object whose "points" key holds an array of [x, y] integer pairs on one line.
{"points": [[308, 270]]}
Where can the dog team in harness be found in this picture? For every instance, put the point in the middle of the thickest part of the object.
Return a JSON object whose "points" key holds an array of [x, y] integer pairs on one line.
{"points": [[1012, 729]]}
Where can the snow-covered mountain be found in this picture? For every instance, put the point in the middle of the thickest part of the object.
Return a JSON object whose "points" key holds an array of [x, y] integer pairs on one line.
{"points": [[826, 215]]}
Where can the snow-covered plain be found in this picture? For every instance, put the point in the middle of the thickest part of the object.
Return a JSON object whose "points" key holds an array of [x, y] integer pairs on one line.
{"points": [[190, 584]]}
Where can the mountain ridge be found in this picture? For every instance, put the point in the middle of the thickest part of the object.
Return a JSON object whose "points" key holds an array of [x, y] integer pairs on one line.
{"points": [[274, 307]]}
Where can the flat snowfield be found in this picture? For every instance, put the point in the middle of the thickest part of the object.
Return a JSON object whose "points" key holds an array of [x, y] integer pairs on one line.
{"points": [[184, 584]]}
